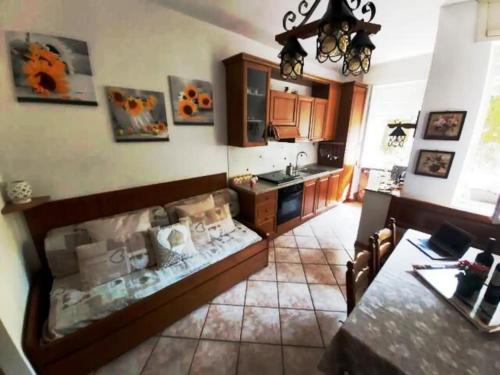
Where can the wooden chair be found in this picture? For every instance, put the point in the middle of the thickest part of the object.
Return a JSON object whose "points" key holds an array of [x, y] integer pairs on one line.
{"points": [[382, 243], [358, 277]]}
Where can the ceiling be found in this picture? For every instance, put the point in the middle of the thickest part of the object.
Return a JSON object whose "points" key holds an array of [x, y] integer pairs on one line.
{"points": [[408, 27]]}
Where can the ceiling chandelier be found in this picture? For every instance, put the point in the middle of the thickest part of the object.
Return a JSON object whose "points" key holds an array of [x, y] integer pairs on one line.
{"points": [[333, 33]]}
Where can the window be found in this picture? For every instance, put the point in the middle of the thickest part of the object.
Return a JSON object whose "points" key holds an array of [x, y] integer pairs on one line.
{"points": [[390, 103], [479, 186]]}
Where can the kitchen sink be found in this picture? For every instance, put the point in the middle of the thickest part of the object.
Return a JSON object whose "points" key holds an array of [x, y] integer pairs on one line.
{"points": [[308, 171]]}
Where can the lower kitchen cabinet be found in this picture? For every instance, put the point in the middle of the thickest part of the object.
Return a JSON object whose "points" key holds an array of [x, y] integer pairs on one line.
{"points": [[308, 199], [321, 194], [333, 188]]}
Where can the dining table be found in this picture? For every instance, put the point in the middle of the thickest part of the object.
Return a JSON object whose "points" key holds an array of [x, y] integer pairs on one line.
{"points": [[403, 326]]}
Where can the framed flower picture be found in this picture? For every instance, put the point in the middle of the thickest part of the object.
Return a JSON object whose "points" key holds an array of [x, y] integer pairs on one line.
{"points": [[50, 69], [137, 115], [192, 101], [445, 125], [434, 163]]}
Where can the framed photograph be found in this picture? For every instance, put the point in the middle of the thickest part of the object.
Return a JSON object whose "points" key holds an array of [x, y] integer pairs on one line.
{"points": [[137, 115], [192, 101], [50, 69], [434, 163], [445, 125]]}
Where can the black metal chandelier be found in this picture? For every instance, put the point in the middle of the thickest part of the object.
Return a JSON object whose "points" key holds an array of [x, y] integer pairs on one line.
{"points": [[398, 136], [333, 33]]}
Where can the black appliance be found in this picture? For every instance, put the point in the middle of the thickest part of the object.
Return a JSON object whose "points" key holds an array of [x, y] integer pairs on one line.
{"points": [[289, 203], [277, 177], [331, 154]]}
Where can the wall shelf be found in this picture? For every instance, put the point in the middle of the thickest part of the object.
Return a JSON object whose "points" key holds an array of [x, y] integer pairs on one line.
{"points": [[35, 201]]}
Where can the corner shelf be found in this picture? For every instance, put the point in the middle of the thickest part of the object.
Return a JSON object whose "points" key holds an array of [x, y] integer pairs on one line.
{"points": [[35, 201]]}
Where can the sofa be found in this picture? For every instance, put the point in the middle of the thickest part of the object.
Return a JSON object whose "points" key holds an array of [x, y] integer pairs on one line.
{"points": [[83, 311]]}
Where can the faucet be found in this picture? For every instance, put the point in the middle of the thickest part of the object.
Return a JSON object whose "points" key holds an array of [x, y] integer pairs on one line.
{"points": [[297, 160]]}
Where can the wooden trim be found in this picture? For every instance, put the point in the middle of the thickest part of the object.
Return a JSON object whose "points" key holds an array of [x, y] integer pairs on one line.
{"points": [[17, 207]]}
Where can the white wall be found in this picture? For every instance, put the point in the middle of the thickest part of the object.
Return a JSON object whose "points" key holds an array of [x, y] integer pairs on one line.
{"points": [[410, 69], [456, 82]]}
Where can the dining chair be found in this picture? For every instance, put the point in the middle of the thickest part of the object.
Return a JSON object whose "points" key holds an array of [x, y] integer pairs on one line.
{"points": [[381, 245], [358, 277]]}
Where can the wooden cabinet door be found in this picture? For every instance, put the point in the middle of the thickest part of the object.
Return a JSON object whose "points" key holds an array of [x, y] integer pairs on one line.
{"points": [[333, 187], [320, 110], [283, 109], [304, 116], [308, 199], [321, 194]]}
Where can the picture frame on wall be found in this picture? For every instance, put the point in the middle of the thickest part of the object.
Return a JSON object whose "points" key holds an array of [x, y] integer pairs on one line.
{"points": [[50, 69], [434, 163], [192, 101], [445, 126]]}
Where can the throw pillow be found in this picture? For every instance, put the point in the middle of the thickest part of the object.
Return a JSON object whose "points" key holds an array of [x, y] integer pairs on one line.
{"points": [[140, 250], [219, 221], [172, 244], [193, 208], [103, 261], [199, 232]]}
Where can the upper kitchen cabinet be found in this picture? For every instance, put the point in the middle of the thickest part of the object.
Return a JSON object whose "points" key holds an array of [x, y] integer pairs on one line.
{"points": [[305, 108], [318, 122], [283, 111], [351, 111], [247, 88]]}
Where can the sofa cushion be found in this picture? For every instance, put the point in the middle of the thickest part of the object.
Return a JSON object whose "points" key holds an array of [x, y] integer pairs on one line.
{"points": [[60, 249], [220, 197], [102, 261], [199, 232], [172, 244], [206, 203]]}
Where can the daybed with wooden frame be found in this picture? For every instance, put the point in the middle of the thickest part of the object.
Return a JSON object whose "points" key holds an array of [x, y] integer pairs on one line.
{"points": [[98, 343]]}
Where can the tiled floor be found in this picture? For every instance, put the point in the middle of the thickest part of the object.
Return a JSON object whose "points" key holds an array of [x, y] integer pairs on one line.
{"points": [[276, 322]]}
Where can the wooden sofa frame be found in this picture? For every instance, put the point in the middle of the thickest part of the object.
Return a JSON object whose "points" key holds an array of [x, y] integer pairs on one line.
{"points": [[98, 343]]}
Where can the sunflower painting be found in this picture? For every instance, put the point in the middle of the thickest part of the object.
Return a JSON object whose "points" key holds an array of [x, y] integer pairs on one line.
{"points": [[192, 101], [137, 115], [51, 69]]}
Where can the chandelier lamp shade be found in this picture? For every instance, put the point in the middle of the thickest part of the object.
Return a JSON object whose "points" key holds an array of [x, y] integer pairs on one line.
{"points": [[334, 33], [292, 59]]}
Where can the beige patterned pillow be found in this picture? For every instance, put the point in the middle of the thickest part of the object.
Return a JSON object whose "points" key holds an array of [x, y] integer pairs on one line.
{"points": [[210, 224], [172, 244], [199, 232], [206, 203], [101, 262]]}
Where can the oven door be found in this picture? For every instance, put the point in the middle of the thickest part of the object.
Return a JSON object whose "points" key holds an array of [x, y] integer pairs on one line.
{"points": [[289, 203]]}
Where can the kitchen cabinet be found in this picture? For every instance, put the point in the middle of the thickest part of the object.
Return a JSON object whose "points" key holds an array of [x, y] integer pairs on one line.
{"points": [[247, 89], [259, 209], [304, 117], [320, 110], [283, 109], [321, 194], [308, 199], [333, 187]]}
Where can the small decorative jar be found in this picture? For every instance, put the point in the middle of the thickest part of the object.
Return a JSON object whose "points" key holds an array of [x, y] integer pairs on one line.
{"points": [[19, 192]]}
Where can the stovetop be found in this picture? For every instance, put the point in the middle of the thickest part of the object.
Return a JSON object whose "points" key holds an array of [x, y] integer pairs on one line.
{"points": [[277, 177]]}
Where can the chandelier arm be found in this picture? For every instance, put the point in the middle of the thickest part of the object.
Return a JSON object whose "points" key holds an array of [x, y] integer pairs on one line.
{"points": [[305, 9], [367, 9]]}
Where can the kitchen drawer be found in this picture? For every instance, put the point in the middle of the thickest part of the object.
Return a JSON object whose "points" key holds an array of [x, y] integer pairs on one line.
{"points": [[265, 212], [267, 226], [265, 198]]}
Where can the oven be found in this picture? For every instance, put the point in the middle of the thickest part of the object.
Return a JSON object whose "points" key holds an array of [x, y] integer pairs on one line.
{"points": [[289, 203]]}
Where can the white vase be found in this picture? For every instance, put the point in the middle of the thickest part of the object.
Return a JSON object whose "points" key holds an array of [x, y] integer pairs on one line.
{"points": [[19, 192]]}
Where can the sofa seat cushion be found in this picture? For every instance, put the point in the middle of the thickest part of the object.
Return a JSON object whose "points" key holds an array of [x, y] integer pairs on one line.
{"points": [[71, 308]]}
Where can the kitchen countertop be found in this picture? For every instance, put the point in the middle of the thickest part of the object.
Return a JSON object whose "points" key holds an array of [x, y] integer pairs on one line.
{"points": [[262, 187]]}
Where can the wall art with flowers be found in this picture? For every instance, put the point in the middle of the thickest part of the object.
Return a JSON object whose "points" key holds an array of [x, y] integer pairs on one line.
{"points": [[446, 126], [434, 163], [137, 115], [51, 69], [192, 101]]}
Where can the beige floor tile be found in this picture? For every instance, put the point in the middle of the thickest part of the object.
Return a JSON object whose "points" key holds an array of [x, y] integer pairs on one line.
{"points": [[338, 257], [300, 327], [307, 242], [223, 323], [327, 297], [290, 272], [319, 274], [266, 274], [294, 295], [261, 324], [214, 357], [234, 296], [303, 230], [262, 294], [287, 255], [330, 242], [339, 273], [312, 256], [301, 361], [260, 359], [190, 326], [171, 356], [132, 362], [329, 324], [285, 241]]}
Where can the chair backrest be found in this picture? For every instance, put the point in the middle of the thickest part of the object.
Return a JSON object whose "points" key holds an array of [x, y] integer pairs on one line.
{"points": [[382, 243], [359, 275]]}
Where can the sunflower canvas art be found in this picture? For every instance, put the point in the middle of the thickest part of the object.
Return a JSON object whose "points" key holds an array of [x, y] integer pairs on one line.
{"points": [[192, 101], [137, 115], [51, 69]]}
